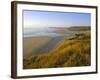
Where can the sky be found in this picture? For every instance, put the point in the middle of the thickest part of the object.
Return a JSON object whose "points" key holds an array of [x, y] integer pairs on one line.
{"points": [[32, 19]]}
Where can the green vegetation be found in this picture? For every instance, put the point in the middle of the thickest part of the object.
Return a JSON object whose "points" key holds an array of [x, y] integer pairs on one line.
{"points": [[67, 53]]}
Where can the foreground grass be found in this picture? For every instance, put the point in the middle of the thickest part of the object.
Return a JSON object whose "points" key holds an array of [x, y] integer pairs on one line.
{"points": [[67, 53]]}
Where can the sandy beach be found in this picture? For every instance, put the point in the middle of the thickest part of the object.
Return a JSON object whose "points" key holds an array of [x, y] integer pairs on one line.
{"points": [[37, 45]]}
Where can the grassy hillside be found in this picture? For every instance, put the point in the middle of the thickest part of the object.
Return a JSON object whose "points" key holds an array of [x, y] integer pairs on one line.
{"points": [[67, 53]]}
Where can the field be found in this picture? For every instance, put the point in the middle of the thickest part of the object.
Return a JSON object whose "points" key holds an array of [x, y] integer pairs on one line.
{"points": [[66, 52]]}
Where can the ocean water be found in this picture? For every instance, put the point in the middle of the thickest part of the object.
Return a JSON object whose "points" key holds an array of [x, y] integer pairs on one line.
{"points": [[50, 32]]}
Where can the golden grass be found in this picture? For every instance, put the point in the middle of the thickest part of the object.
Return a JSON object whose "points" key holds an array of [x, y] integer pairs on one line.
{"points": [[67, 53]]}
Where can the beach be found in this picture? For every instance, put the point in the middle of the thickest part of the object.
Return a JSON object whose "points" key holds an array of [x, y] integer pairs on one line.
{"points": [[39, 45]]}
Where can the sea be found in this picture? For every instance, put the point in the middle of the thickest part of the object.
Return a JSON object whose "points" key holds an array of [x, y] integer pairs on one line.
{"points": [[48, 31]]}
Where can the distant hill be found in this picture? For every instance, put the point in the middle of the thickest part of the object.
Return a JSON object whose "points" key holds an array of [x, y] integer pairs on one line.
{"points": [[79, 28]]}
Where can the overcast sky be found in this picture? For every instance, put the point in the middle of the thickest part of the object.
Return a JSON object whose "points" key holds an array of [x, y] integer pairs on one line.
{"points": [[33, 19]]}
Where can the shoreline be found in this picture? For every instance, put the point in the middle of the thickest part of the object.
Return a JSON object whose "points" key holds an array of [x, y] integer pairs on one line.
{"points": [[43, 44]]}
